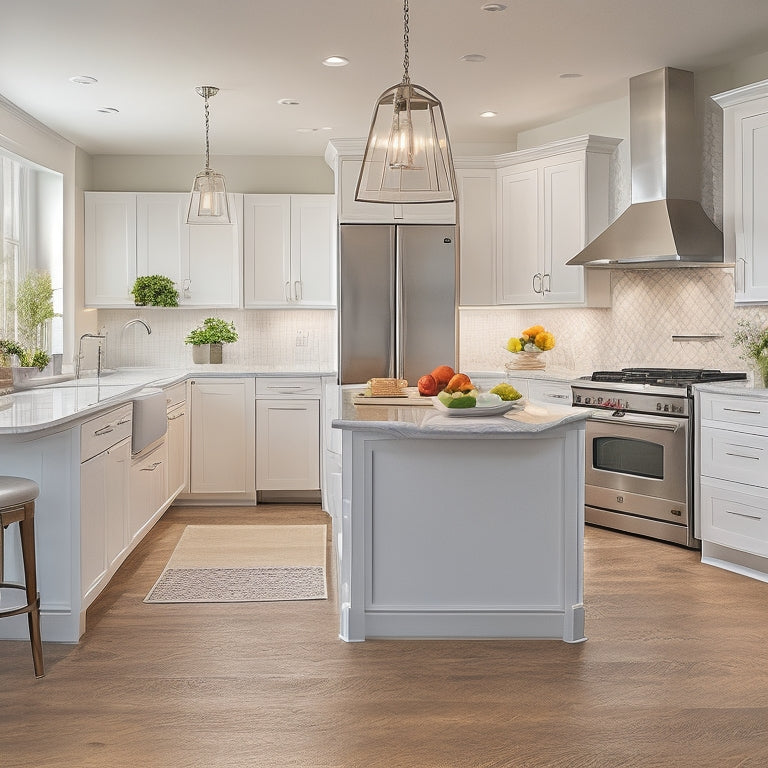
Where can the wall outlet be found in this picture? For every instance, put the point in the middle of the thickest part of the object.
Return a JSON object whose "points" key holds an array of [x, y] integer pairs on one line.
{"points": [[302, 338]]}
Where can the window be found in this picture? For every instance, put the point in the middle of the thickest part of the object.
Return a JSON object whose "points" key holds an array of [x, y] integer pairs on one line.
{"points": [[31, 236]]}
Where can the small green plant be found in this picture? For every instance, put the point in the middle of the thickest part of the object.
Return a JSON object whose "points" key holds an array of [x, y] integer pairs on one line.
{"points": [[214, 330], [28, 358], [155, 291]]}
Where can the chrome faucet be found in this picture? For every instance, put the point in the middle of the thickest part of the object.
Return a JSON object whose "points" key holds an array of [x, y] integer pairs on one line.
{"points": [[101, 338], [133, 322], [137, 320]]}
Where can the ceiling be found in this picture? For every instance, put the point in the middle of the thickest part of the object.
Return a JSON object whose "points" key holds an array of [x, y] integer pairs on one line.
{"points": [[148, 56]]}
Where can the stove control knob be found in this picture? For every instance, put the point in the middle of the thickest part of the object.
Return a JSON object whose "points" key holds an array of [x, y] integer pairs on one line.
{"points": [[588, 400], [577, 399], [658, 406], [666, 409]]}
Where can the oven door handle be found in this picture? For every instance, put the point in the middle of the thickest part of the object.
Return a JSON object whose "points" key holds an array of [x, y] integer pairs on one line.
{"points": [[668, 425]]}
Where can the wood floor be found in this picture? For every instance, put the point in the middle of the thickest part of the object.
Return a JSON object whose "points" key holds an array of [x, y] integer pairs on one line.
{"points": [[675, 673]]}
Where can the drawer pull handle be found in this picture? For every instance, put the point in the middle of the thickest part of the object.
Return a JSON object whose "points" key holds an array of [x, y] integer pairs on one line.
{"points": [[742, 456], [741, 410], [104, 430], [558, 397], [177, 416], [743, 514], [126, 420], [152, 468]]}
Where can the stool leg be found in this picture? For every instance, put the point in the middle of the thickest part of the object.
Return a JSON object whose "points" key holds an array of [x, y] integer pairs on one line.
{"points": [[27, 531]]}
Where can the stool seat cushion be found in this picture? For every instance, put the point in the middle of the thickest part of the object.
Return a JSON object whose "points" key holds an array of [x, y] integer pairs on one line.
{"points": [[17, 490]]}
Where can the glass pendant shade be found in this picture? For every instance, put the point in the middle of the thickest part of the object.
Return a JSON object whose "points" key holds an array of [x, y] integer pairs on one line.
{"points": [[408, 155], [208, 201]]}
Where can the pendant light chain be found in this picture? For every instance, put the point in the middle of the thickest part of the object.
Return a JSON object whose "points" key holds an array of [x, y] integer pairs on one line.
{"points": [[207, 145], [406, 58]]}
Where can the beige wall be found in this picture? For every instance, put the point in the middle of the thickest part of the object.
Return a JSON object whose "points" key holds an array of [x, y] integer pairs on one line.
{"points": [[175, 173]]}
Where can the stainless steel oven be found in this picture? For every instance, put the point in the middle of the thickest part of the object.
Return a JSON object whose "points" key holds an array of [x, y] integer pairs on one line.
{"points": [[639, 450]]}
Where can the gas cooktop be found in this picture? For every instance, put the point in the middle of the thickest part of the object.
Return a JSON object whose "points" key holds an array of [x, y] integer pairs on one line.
{"points": [[666, 377]]}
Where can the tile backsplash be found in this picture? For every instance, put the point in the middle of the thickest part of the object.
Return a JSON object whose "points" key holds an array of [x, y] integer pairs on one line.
{"points": [[290, 340], [650, 306]]}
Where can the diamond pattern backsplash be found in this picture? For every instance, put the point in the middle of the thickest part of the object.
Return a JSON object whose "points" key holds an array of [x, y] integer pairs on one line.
{"points": [[650, 307]]}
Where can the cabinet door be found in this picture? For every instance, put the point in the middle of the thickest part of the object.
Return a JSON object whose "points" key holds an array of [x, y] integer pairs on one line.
{"points": [[178, 450], [564, 220], [222, 436], [312, 273], [149, 489], [555, 392], [110, 248], [213, 278], [752, 230], [287, 445], [162, 236], [477, 235], [519, 257], [266, 249]]}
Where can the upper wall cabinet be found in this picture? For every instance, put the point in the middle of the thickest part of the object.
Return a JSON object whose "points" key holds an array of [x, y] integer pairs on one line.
{"points": [[345, 157], [745, 188], [288, 251], [132, 234], [550, 202]]}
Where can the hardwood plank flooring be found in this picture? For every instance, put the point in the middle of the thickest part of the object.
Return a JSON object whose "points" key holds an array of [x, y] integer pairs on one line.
{"points": [[674, 673]]}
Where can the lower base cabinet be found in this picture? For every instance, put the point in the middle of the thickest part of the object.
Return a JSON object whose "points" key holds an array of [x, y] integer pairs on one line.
{"points": [[149, 488], [287, 445]]}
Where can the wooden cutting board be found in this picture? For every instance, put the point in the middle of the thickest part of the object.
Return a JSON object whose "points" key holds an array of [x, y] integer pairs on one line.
{"points": [[411, 396]]}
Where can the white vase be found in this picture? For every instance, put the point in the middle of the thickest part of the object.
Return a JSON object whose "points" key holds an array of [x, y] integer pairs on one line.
{"points": [[206, 353]]}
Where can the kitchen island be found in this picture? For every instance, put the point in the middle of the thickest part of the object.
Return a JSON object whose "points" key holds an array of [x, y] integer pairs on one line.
{"points": [[466, 526]]}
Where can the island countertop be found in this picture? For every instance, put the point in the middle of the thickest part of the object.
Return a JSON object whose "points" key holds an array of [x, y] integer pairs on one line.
{"points": [[426, 421]]}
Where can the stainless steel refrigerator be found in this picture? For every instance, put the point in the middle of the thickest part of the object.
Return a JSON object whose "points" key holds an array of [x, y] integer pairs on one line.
{"points": [[397, 300]]}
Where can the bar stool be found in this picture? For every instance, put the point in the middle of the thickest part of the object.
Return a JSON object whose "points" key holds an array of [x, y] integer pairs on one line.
{"points": [[17, 505]]}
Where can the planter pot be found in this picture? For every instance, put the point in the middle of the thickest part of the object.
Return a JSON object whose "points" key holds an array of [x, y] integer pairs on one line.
{"points": [[206, 353]]}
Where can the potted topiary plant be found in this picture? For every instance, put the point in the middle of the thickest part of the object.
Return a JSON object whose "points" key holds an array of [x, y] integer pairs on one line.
{"points": [[207, 339], [155, 291]]}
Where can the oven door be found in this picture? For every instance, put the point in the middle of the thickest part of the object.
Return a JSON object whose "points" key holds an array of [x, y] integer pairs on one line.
{"points": [[638, 464]]}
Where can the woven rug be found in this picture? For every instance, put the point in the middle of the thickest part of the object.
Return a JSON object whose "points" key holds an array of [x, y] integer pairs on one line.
{"points": [[244, 563]]}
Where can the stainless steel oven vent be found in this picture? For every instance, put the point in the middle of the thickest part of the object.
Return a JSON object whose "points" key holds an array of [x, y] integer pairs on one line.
{"points": [[665, 225]]}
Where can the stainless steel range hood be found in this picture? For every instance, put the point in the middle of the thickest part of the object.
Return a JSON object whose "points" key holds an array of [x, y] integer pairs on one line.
{"points": [[665, 226]]}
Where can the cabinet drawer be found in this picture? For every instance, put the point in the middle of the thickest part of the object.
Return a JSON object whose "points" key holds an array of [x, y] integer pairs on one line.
{"points": [[298, 386], [736, 456], [175, 395], [556, 392], [735, 410], [104, 431], [735, 519]]}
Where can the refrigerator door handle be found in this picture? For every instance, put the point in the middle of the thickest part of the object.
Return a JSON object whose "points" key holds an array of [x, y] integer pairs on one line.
{"points": [[399, 331]]}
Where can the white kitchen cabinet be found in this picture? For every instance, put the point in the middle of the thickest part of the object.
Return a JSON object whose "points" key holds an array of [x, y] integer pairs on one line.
{"points": [[287, 445], [149, 488], [110, 248], [345, 157], [222, 436], [177, 438], [732, 473], [551, 201], [105, 455], [133, 234], [745, 189], [477, 234], [289, 255], [548, 391]]}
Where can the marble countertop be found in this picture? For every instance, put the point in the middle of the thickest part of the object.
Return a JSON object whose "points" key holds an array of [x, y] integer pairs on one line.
{"points": [[735, 388], [41, 409], [427, 421]]}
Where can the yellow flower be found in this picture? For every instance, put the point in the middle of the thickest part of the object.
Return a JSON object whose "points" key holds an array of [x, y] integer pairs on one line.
{"points": [[544, 340], [533, 331], [514, 345]]}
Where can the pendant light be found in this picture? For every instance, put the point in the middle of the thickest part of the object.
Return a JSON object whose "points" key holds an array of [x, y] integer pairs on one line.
{"points": [[408, 156], [208, 201]]}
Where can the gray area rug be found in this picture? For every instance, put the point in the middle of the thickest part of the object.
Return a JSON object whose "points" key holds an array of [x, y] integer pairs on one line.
{"points": [[237, 585]]}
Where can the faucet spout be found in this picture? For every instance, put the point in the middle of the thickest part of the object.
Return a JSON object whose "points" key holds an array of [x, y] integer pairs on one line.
{"points": [[140, 321]]}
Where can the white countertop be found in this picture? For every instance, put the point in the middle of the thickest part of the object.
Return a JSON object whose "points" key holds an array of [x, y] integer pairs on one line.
{"points": [[50, 407], [734, 388]]}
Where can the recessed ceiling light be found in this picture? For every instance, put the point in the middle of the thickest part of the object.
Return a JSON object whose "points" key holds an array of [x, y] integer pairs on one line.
{"points": [[108, 110], [336, 61], [314, 130], [495, 7], [488, 114], [472, 57], [288, 102], [83, 80], [569, 75]]}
